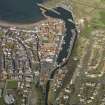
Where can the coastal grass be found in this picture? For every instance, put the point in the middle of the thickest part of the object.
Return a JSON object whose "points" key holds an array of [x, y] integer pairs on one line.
{"points": [[81, 8], [52, 3], [84, 8]]}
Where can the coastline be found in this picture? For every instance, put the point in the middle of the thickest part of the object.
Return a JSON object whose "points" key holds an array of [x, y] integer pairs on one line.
{"points": [[24, 24], [21, 24]]}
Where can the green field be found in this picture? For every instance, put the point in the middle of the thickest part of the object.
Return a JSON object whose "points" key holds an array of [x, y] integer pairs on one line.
{"points": [[11, 84], [1, 101], [81, 8]]}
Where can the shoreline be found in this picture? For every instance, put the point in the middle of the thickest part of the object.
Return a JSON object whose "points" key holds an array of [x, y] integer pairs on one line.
{"points": [[20, 24], [27, 24]]}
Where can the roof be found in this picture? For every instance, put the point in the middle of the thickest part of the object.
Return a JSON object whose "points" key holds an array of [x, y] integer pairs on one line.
{"points": [[9, 99]]}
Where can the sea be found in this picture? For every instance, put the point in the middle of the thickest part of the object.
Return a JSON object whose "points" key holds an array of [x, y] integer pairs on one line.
{"points": [[20, 10]]}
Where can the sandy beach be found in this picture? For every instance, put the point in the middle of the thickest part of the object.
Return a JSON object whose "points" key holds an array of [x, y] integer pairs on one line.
{"points": [[21, 25]]}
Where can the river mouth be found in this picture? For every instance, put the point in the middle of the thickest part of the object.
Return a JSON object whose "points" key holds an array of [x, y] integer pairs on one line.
{"points": [[20, 11]]}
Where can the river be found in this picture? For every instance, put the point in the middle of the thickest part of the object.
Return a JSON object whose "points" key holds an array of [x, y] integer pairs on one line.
{"points": [[67, 46], [70, 31]]}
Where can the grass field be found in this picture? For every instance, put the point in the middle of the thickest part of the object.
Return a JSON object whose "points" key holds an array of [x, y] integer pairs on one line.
{"points": [[81, 8], [1, 101], [11, 84]]}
